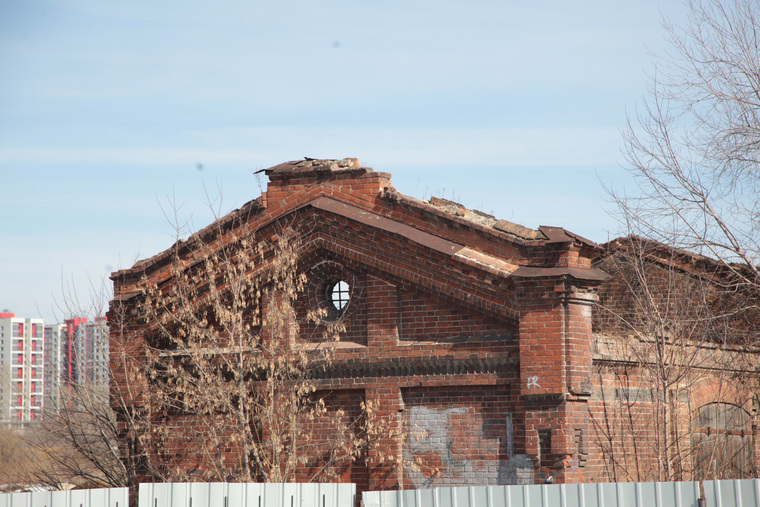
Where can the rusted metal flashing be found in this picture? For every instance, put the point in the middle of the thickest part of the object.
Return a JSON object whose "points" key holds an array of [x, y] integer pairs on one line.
{"points": [[555, 234], [386, 224], [560, 235], [489, 263], [593, 274]]}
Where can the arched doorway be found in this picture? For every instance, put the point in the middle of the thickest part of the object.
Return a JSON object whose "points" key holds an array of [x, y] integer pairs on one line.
{"points": [[722, 442]]}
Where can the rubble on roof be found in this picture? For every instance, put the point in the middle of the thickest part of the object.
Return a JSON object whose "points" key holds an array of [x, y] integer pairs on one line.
{"points": [[316, 165], [486, 220], [518, 230]]}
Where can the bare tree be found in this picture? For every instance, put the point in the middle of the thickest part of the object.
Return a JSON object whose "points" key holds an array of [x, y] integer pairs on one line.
{"points": [[694, 147], [74, 442], [78, 441], [220, 386], [670, 328]]}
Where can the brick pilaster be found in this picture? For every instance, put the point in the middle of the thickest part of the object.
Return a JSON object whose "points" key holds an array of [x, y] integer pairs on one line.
{"points": [[555, 369]]}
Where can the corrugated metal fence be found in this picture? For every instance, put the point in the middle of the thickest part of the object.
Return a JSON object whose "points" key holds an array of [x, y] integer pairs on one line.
{"points": [[222, 494], [640, 494], [741, 493], [112, 497], [730, 493]]}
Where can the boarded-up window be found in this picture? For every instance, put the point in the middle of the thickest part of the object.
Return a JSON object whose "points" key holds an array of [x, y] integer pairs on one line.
{"points": [[722, 442]]}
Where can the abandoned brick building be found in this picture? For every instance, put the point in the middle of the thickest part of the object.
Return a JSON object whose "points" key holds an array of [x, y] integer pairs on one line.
{"points": [[479, 344]]}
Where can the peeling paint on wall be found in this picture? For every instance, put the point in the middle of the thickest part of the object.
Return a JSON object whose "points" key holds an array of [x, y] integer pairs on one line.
{"points": [[457, 446]]}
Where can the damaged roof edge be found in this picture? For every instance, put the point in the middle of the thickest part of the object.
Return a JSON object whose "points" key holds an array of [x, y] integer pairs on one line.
{"points": [[460, 252], [516, 232], [666, 255], [443, 208], [313, 165], [488, 223]]}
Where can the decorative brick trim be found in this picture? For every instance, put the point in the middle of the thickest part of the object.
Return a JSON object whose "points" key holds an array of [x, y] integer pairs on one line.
{"points": [[429, 367]]}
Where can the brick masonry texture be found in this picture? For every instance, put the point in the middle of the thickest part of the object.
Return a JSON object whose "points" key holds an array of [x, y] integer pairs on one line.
{"points": [[472, 335]]}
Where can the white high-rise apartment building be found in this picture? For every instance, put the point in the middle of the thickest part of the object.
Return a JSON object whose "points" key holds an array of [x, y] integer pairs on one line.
{"points": [[76, 361], [55, 366], [22, 369], [91, 348]]}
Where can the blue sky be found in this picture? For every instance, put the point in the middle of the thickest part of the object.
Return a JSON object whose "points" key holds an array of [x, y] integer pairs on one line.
{"points": [[111, 110]]}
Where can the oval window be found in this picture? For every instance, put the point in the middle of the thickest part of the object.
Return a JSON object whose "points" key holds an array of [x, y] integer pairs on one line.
{"points": [[338, 294]]}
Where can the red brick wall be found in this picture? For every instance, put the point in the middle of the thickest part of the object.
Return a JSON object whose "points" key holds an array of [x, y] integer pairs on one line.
{"points": [[633, 428], [474, 375], [423, 318], [675, 303], [343, 422]]}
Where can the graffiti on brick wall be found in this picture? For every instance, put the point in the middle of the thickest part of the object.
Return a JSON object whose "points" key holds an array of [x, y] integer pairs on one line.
{"points": [[458, 446], [573, 472]]}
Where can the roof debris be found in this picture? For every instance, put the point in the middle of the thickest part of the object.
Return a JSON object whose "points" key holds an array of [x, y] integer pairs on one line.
{"points": [[316, 165], [486, 220]]}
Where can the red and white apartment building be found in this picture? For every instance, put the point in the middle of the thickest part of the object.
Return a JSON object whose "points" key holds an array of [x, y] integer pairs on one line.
{"points": [[38, 362], [22, 365]]}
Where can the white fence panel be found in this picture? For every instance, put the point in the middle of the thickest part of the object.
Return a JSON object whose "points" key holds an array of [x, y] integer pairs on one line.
{"points": [[641, 494], [223, 494], [106, 497], [732, 493]]}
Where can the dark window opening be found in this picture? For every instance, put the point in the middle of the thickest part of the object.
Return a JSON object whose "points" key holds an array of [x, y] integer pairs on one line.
{"points": [[545, 457]]}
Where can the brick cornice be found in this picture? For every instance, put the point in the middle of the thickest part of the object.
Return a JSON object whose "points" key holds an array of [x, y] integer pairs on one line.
{"points": [[416, 368]]}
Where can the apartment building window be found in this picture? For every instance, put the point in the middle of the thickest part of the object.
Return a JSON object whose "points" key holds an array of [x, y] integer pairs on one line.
{"points": [[18, 330]]}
